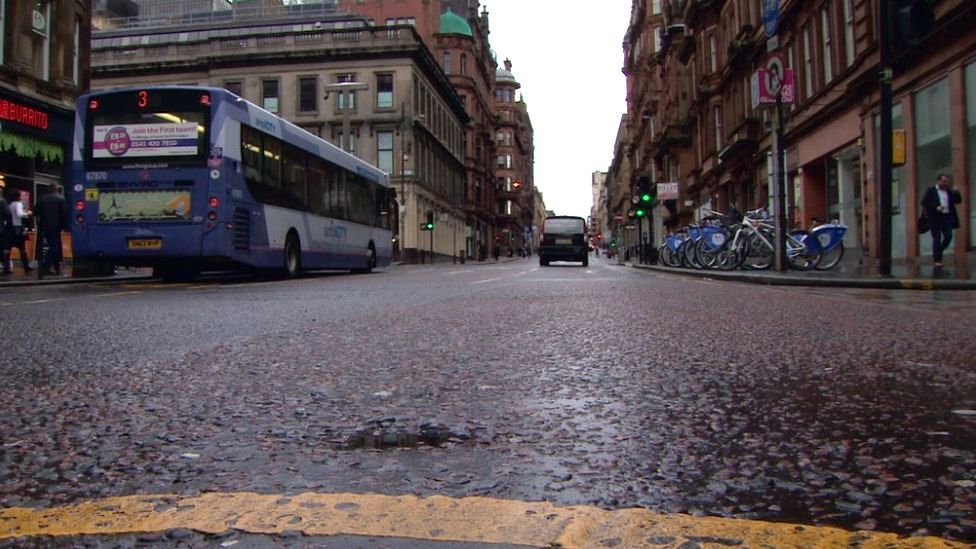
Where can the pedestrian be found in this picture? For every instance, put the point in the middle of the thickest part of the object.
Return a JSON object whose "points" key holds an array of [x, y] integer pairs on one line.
{"points": [[939, 204], [52, 217], [18, 214], [497, 251], [6, 230]]}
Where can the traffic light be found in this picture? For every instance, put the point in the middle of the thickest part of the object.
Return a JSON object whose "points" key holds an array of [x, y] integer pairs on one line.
{"points": [[640, 212], [429, 225], [517, 184], [646, 191], [911, 22]]}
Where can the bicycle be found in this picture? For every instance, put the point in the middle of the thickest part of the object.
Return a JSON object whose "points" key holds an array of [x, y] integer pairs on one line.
{"points": [[830, 238], [756, 239]]}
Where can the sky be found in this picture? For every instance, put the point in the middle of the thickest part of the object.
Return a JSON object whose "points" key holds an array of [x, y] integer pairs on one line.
{"points": [[568, 58]]}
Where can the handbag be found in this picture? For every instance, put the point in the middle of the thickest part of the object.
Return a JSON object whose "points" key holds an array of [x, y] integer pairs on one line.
{"points": [[924, 224]]}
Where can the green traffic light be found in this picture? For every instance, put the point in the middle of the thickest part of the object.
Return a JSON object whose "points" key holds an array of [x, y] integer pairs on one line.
{"points": [[430, 226], [640, 213], [645, 197]]}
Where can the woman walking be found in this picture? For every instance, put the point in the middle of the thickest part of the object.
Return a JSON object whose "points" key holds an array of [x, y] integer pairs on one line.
{"points": [[18, 213]]}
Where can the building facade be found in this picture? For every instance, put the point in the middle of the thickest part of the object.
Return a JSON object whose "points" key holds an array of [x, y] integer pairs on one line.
{"points": [[692, 119], [43, 67], [513, 165], [409, 121]]}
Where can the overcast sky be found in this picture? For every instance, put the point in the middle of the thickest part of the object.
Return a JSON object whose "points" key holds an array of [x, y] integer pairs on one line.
{"points": [[568, 58]]}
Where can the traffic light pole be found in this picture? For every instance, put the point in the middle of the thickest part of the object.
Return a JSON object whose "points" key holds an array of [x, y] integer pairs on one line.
{"points": [[640, 240]]}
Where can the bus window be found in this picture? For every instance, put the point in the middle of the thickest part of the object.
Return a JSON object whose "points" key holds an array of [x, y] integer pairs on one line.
{"points": [[271, 163], [318, 186], [251, 155], [294, 175]]}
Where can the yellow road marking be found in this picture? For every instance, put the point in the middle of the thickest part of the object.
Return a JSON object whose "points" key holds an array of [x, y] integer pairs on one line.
{"points": [[436, 518]]}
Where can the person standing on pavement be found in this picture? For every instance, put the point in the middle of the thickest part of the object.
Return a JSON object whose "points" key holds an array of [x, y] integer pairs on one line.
{"points": [[18, 213], [939, 203], [52, 216], [6, 230]]}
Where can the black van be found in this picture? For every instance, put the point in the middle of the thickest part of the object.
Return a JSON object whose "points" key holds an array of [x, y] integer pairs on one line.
{"points": [[564, 239]]}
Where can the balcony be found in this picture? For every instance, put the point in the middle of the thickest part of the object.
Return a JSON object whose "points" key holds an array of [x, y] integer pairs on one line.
{"points": [[743, 142], [676, 133]]}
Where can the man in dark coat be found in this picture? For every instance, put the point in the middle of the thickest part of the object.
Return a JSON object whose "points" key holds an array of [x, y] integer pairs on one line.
{"points": [[52, 214], [939, 203]]}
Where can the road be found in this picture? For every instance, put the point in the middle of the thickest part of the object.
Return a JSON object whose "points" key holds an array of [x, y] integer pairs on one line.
{"points": [[605, 386]]}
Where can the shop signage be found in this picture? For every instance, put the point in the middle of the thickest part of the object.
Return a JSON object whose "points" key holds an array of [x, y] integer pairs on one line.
{"points": [[667, 191], [22, 114]]}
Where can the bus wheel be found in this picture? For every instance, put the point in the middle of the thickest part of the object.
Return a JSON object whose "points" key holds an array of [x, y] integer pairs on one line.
{"points": [[370, 260], [293, 256]]}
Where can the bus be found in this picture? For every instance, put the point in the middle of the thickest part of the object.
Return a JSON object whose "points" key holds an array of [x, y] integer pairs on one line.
{"points": [[184, 179]]}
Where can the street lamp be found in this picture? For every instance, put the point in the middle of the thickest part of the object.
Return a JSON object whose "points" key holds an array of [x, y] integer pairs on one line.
{"points": [[343, 88]]}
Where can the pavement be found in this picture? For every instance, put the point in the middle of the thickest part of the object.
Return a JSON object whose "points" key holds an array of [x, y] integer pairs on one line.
{"points": [[959, 273]]}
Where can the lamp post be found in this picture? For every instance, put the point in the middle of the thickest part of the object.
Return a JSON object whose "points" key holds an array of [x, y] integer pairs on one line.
{"points": [[343, 88]]}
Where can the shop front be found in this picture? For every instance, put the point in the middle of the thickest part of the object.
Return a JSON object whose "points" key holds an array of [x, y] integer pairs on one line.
{"points": [[35, 149]]}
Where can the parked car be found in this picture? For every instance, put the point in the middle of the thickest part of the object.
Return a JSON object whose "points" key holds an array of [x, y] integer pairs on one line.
{"points": [[563, 239]]}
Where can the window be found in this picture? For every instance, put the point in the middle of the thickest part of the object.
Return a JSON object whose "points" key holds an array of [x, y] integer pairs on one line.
{"points": [[656, 7], [3, 28], [235, 86], [384, 91], [75, 49], [346, 100], [41, 39], [718, 128], [712, 53], [657, 38], [384, 151], [269, 95], [933, 141], [447, 63], [971, 139], [308, 93], [848, 31], [828, 63], [464, 64], [807, 64]]}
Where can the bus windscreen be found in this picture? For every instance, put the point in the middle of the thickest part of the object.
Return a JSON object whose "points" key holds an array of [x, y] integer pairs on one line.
{"points": [[138, 126]]}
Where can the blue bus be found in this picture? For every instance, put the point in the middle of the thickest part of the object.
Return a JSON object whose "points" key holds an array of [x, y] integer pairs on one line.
{"points": [[184, 179]]}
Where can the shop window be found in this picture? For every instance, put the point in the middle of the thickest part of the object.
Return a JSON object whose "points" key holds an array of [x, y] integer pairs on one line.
{"points": [[933, 142], [41, 39], [971, 147]]}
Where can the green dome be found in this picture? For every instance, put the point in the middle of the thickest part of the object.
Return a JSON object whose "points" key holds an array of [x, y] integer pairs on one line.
{"points": [[452, 23]]}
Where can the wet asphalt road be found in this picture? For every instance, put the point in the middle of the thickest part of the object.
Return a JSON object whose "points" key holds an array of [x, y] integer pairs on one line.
{"points": [[606, 385]]}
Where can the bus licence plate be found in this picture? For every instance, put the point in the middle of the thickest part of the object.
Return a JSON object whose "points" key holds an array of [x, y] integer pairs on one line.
{"points": [[564, 241], [145, 243]]}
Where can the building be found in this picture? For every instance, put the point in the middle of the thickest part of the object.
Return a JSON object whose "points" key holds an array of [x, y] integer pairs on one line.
{"points": [[598, 211], [44, 53], [514, 160], [692, 119], [409, 121]]}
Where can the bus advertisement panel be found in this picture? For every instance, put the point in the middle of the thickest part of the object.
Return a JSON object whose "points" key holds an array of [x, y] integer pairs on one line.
{"points": [[184, 179]]}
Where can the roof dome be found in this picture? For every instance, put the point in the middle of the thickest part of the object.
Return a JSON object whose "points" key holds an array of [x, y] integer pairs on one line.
{"points": [[504, 75], [452, 23]]}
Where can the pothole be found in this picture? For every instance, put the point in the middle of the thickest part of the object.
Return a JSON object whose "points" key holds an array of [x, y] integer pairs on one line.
{"points": [[387, 433]]}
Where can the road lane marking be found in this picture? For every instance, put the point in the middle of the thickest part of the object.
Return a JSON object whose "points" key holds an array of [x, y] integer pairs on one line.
{"points": [[487, 280], [451, 273], [434, 518]]}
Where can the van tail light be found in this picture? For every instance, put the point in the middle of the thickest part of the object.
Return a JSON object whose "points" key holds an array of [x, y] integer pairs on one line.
{"points": [[212, 216], [214, 202], [79, 205]]}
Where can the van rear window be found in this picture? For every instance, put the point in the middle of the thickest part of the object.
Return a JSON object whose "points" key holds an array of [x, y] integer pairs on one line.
{"points": [[564, 226]]}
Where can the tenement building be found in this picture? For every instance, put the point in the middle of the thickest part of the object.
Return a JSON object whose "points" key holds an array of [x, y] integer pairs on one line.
{"points": [[408, 120], [691, 117], [43, 68], [514, 165]]}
